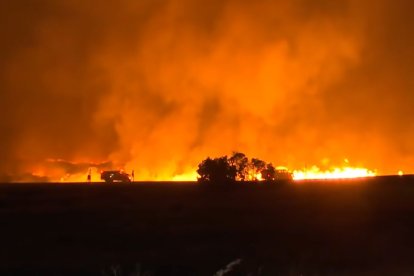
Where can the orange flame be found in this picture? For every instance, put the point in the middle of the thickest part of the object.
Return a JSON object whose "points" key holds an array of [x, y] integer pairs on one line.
{"points": [[335, 173], [190, 174]]}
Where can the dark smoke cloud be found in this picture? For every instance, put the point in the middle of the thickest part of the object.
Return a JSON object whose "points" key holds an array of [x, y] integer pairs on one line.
{"points": [[159, 85]]}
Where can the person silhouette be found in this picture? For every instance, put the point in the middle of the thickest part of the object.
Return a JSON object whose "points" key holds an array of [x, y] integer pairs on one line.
{"points": [[89, 177]]}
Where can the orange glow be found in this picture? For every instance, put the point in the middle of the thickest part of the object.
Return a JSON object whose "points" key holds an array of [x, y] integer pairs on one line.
{"points": [[60, 170], [70, 178], [80, 177], [191, 176], [335, 173], [167, 83], [400, 173], [258, 177]]}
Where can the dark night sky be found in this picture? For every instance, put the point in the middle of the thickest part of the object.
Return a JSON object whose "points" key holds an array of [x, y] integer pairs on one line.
{"points": [[159, 85]]}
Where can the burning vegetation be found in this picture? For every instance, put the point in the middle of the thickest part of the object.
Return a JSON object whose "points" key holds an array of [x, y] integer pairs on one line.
{"points": [[239, 167], [159, 85]]}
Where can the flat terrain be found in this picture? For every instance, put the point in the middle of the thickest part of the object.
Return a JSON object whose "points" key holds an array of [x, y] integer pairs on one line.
{"points": [[363, 227]]}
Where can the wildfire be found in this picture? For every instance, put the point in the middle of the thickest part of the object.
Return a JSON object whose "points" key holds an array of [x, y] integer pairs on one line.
{"points": [[306, 174], [65, 171], [335, 173]]}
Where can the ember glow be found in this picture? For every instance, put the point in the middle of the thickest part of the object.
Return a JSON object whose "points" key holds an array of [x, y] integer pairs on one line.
{"points": [[157, 86]]}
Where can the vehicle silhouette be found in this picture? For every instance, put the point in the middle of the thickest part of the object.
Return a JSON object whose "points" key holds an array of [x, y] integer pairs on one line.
{"points": [[115, 176]]}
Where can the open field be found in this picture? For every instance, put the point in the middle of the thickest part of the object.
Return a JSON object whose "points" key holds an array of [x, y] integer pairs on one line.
{"points": [[360, 227]]}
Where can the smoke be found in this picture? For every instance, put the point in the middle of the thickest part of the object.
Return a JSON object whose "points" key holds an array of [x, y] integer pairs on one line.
{"points": [[157, 86]]}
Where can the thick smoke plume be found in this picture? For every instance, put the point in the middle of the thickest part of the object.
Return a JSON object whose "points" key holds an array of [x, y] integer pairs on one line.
{"points": [[158, 85]]}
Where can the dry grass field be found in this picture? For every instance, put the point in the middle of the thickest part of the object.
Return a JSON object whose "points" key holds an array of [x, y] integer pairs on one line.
{"points": [[359, 227]]}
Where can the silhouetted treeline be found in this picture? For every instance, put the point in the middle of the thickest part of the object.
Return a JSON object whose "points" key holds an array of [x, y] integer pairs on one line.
{"points": [[238, 167]]}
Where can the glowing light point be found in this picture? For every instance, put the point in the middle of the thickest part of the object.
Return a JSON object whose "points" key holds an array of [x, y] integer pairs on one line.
{"points": [[400, 173]]}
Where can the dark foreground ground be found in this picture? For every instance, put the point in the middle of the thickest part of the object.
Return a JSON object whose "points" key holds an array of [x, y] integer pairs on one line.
{"points": [[363, 227]]}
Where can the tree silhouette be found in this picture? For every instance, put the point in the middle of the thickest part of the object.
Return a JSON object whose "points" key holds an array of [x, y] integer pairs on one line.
{"points": [[269, 173], [241, 163], [217, 170], [257, 166], [239, 167]]}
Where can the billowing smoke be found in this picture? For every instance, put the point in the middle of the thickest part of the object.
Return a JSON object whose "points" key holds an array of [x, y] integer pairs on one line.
{"points": [[158, 85]]}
